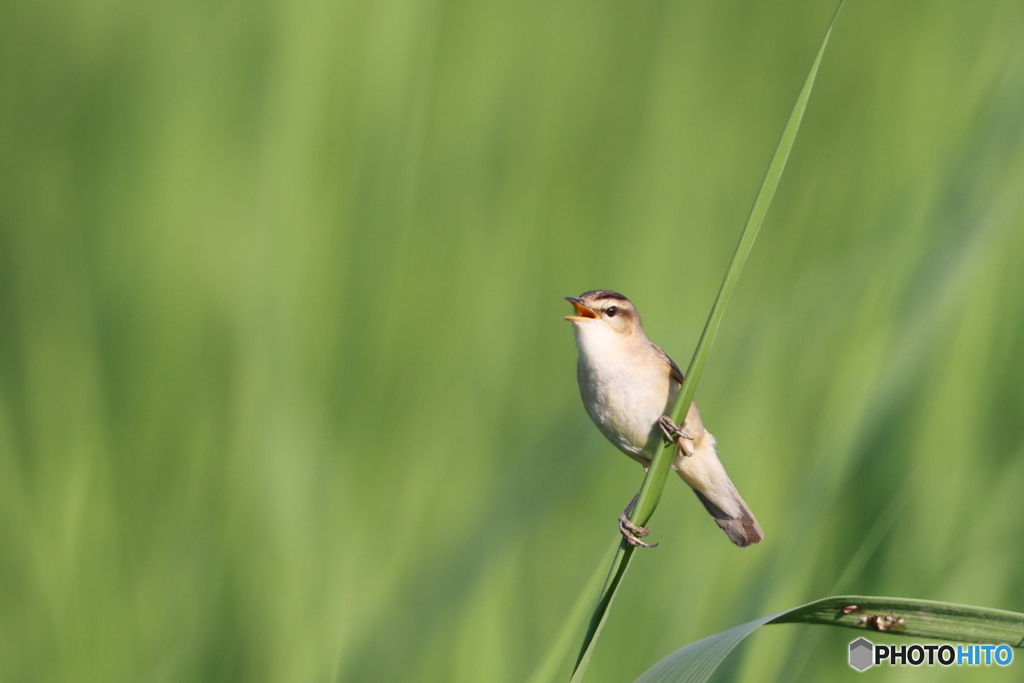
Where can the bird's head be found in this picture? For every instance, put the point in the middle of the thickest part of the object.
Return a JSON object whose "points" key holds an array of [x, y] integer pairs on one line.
{"points": [[605, 308]]}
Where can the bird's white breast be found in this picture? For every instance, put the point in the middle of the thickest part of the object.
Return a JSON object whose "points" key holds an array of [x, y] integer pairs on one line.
{"points": [[624, 383]]}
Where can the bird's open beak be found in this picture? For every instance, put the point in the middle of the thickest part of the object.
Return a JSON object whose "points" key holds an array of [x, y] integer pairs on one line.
{"points": [[582, 312]]}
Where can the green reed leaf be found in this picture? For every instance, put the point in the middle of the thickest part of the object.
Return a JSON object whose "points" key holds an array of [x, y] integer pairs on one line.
{"points": [[895, 616], [654, 482]]}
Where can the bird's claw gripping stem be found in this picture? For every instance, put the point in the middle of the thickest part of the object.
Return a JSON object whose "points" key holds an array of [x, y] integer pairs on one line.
{"points": [[671, 430], [631, 532]]}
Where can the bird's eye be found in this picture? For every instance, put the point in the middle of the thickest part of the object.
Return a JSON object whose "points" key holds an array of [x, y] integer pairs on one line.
{"points": [[611, 311]]}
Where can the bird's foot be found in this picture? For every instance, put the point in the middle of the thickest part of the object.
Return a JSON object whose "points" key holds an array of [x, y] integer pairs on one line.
{"points": [[633, 533], [672, 431], [678, 435]]}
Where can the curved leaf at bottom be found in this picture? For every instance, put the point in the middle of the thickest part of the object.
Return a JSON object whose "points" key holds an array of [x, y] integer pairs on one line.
{"points": [[898, 616], [697, 661]]}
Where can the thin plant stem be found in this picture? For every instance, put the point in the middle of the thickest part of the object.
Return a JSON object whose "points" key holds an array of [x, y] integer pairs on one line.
{"points": [[657, 474]]}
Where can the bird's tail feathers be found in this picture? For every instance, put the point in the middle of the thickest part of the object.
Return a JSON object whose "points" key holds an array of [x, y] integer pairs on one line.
{"points": [[701, 469], [742, 528]]}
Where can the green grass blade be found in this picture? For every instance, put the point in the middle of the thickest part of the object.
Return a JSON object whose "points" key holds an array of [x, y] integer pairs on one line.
{"points": [[750, 230], [654, 482], [562, 644], [600, 615], [919, 618], [697, 661]]}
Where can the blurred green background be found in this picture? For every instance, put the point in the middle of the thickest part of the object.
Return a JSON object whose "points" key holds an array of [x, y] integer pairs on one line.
{"points": [[285, 393]]}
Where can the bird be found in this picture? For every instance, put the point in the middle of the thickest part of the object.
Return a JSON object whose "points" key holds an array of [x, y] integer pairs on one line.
{"points": [[629, 386]]}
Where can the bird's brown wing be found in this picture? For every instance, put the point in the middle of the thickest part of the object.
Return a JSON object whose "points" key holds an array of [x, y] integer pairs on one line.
{"points": [[693, 425], [673, 369]]}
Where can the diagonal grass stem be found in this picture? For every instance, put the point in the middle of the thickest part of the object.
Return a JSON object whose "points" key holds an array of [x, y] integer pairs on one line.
{"points": [[657, 474]]}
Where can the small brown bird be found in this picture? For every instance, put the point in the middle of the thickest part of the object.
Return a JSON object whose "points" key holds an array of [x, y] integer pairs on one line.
{"points": [[629, 386]]}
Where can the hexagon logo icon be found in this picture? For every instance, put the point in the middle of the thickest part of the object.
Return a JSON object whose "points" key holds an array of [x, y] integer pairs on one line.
{"points": [[861, 654]]}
